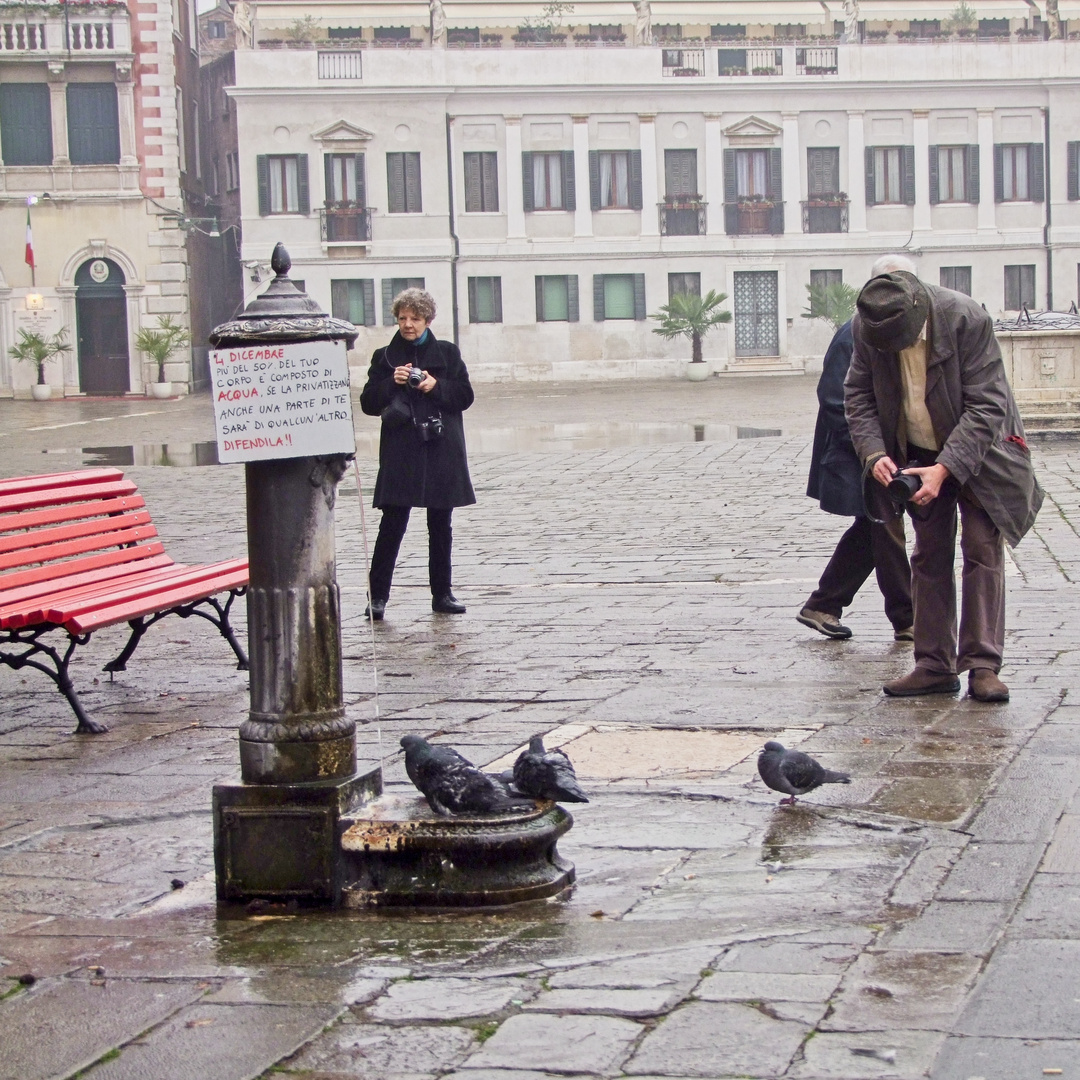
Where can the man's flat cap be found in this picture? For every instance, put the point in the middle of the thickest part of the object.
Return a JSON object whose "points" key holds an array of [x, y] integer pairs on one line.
{"points": [[892, 310]]}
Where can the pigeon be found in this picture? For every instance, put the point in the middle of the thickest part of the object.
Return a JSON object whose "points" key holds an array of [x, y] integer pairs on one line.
{"points": [[793, 772], [546, 774], [453, 785]]}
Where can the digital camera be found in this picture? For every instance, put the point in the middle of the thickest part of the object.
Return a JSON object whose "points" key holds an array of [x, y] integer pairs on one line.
{"points": [[416, 377], [429, 430], [903, 486]]}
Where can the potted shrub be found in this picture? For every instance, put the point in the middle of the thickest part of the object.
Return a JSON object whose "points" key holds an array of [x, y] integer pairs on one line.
{"points": [[159, 345], [40, 349], [689, 316]]}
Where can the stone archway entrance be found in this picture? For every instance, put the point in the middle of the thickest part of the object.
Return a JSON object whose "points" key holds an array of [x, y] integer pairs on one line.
{"points": [[101, 321]]}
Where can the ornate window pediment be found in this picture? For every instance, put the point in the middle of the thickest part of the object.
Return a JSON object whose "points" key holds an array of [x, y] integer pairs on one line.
{"points": [[342, 134], [752, 127]]}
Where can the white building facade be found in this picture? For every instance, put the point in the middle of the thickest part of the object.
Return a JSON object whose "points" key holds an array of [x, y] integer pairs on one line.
{"points": [[553, 198]]}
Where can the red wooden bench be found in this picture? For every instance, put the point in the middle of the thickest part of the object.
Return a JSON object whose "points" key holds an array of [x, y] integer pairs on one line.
{"points": [[78, 552]]}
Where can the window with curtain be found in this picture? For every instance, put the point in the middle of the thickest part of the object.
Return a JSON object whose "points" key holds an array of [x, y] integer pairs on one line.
{"points": [[548, 181], [952, 173], [614, 179], [353, 300], [1015, 173], [683, 284], [752, 174], [887, 187], [341, 180], [284, 184]]}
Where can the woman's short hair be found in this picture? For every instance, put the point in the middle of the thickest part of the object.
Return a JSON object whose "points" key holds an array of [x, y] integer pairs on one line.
{"points": [[417, 301]]}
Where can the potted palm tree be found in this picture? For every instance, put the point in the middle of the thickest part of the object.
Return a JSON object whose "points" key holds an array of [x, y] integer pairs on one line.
{"points": [[691, 316], [40, 349], [834, 303], [159, 344]]}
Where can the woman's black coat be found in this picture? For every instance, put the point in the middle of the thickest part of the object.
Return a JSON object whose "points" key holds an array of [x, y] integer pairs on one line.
{"points": [[413, 472], [835, 469]]}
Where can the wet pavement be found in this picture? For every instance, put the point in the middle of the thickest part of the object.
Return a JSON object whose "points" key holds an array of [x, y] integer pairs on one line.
{"points": [[632, 570]]}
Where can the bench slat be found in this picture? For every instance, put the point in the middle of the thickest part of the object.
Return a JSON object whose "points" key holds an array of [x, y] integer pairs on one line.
{"points": [[158, 602], [33, 519], [53, 552], [30, 500], [18, 578], [30, 542], [52, 480]]}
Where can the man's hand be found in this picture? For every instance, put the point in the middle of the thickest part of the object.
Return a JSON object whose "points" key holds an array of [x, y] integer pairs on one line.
{"points": [[933, 476], [883, 470]]}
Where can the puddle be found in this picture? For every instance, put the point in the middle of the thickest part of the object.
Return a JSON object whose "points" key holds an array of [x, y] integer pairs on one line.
{"points": [[180, 455]]}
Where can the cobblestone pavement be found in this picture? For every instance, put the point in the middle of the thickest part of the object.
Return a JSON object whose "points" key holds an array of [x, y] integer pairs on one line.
{"points": [[632, 570]]}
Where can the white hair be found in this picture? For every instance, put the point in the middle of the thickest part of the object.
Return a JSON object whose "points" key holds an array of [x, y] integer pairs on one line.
{"points": [[887, 264]]}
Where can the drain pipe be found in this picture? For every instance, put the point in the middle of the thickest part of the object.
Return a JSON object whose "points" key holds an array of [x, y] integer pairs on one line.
{"points": [[455, 250], [1047, 218]]}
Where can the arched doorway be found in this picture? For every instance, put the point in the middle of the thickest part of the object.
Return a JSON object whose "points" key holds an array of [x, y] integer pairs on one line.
{"points": [[101, 320]]}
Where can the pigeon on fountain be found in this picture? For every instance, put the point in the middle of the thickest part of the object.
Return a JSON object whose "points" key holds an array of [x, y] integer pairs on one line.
{"points": [[453, 785], [546, 774], [793, 772]]}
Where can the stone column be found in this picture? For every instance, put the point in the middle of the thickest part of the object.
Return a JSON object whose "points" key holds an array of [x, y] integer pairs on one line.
{"points": [[58, 108], [583, 206], [125, 94], [987, 214], [515, 213], [650, 196], [856, 138], [714, 173], [65, 294], [921, 218], [792, 166]]}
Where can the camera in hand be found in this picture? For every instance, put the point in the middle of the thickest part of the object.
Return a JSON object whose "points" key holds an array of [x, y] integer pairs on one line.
{"points": [[416, 377], [903, 486]]}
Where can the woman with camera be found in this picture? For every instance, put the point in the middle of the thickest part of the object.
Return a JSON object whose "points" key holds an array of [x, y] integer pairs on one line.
{"points": [[420, 387]]}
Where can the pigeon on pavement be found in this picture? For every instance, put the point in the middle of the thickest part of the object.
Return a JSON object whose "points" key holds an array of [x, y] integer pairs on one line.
{"points": [[453, 785], [546, 774], [793, 772]]}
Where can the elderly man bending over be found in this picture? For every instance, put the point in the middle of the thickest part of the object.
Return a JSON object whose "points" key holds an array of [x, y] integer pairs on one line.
{"points": [[927, 389]]}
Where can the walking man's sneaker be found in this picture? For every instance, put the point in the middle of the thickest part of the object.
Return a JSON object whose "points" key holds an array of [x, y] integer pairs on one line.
{"points": [[904, 635], [984, 685], [921, 681], [829, 625]]}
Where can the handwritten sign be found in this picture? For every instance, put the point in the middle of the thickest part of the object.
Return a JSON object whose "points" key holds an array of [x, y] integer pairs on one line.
{"points": [[282, 401]]}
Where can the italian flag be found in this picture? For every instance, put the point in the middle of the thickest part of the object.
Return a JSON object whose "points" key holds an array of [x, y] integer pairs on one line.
{"points": [[29, 241]]}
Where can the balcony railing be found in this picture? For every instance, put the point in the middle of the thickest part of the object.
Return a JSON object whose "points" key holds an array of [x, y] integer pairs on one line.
{"points": [[753, 218], [340, 65], [345, 224], [815, 61], [103, 34], [827, 214], [683, 61], [682, 217]]}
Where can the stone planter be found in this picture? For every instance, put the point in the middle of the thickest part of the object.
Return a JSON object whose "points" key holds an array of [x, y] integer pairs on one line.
{"points": [[161, 390], [41, 391], [699, 371]]}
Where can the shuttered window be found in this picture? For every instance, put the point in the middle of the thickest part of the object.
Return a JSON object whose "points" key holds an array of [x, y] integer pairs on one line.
{"points": [[353, 300], [481, 182], [684, 285], [485, 300], [283, 184], [548, 180], [618, 296], [823, 171], [1019, 287], [1073, 157], [680, 174], [25, 124], [557, 298], [345, 180], [954, 174], [403, 183], [1018, 172], [93, 124], [957, 278], [390, 289], [890, 175], [615, 179]]}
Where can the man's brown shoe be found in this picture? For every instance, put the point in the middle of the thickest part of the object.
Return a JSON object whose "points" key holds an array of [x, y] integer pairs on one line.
{"points": [[921, 681], [984, 685]]}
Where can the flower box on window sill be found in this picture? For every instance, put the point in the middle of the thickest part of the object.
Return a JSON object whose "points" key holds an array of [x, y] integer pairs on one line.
{"points": [[733, 71]]}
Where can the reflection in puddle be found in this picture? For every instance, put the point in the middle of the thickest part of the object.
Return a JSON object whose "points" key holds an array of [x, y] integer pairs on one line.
{"points": [[175, 454]]}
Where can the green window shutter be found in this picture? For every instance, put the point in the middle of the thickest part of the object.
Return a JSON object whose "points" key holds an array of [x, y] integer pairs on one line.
{"points": [[569, 181], [973, 173], [303, 188], [368, 289], [539, 283], [935, 170], [262, 173], [93, 124], [776, 176], [598, 297], [639, 297], [395, 183], [489, 180], [413, 201], [594, 179], [1072, 156], [474, 195], [527, 202], [472, 301], [1036, 173], [572, 306], [361, 182], [388, 302], [339, 300], [328, 182], [871, 179], [999, 173], [25, 124], [635, 179], [496, 298], [731, 187], [907, 174]]}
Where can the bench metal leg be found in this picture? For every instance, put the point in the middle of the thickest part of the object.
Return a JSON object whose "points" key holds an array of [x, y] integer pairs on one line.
{"points": [[58, 672]]}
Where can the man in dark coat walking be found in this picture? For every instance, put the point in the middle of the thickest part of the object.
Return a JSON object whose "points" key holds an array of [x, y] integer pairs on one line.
{"points": [[868, 546], [927, 387], [420, 387]]}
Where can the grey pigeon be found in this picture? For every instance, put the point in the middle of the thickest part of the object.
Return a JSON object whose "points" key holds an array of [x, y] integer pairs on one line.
{"points": [[546, 774], [453, 785], [793, 772]]}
